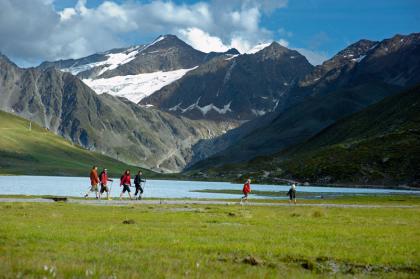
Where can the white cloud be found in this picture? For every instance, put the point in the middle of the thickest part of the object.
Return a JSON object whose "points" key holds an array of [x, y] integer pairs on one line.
{"points": [[47, 34], [201, 40]]}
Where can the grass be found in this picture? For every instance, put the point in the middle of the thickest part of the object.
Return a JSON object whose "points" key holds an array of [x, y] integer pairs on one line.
{"points": [[326, 197], [40, 152], [158, 241]]}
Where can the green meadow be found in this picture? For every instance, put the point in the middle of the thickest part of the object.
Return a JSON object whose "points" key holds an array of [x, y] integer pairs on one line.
{"points": [[40, 152], [64, 240]]}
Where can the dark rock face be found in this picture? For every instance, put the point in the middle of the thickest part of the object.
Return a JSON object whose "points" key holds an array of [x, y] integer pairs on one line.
{"points": [[64, 104], [361, 75], [234, 87]]}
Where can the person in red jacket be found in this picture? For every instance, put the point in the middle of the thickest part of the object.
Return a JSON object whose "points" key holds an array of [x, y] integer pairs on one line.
{"points": [[246, 190], [94, 180], [104, 183], [125, 183]]}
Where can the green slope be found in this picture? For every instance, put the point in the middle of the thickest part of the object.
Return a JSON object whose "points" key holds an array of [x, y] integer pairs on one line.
{"points": [[378, 145], [40, 152]]}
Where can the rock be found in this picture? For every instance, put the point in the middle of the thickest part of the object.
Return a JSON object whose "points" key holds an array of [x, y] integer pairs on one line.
{"points": [[252, 260]]}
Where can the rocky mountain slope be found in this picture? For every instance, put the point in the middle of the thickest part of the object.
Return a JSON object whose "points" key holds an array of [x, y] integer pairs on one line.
{"points": [[240, 87], [360, 75], [117, 127], [138, 71], [378, 145]]}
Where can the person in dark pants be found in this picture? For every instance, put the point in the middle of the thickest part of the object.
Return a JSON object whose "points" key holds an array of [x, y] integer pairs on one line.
{"points": [[125, 183], [292, 193], [138, 180], [103, 177], [246, 190]]}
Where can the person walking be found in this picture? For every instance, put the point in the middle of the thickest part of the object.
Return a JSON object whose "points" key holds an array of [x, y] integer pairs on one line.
{"points": [[292, 193], [246, 190], [138, 180], [94, 180], [125, 183], [104, 183]]}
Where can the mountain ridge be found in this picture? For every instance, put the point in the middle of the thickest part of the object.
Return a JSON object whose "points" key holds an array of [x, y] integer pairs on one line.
{"points": [[239, 87], [378, 145], [65, 105], [313, 106]]}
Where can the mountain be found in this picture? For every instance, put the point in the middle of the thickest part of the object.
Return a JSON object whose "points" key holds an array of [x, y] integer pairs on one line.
{"points": [[339, 87], [240, 87], [39, 152], [378, 145], [138, 71], [392, 61], [115, 126]]}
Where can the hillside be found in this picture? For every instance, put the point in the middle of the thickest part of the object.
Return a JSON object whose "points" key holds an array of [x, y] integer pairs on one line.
{"points": [[236, 87], [378, 145], [362, 74], [63, 103], [40, 152]]}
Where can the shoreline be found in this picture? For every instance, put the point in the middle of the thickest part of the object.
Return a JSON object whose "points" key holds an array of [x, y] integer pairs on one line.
{"points": [[338, 185]]}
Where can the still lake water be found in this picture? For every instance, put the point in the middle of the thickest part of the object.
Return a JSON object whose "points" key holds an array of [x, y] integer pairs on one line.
{"points": [[77, 187]]}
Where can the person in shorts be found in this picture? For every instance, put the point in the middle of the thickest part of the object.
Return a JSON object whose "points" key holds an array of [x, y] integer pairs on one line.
{"points": [[104, 183], [94, 180], [125, 182]]}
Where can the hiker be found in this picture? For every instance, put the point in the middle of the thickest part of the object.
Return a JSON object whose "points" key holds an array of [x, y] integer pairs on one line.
{"points": [[292, 193], [104, 183], [125, 183], [246, 190], [94, 180], [138, 179]]}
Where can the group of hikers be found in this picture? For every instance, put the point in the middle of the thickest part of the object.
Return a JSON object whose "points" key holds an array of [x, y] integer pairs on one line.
{"points": [[247, 189], [125, 183]]}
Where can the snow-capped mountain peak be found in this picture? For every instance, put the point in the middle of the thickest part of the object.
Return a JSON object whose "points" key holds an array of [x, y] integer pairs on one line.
{"points": [[136, 72], [258, 48]]}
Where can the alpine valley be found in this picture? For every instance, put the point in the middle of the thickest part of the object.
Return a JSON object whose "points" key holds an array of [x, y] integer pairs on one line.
{"points": [[268, 113]]}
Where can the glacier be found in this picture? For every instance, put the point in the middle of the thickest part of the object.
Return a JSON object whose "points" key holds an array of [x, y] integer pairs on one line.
{"points": [[135, 87]]}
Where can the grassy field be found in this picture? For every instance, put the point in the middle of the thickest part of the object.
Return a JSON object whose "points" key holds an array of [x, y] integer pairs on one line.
{"points": [[40, 152], [211, 241]]}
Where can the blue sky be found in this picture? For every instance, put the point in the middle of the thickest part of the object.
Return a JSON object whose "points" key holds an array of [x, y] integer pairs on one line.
{"points": [[317, 28]]}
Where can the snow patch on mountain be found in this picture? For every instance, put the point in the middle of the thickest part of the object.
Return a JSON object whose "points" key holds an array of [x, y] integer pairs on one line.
{"points": [[258, 112], [135, 87], [113, 61], [204, 110], [232, 57], [358, 59], [117, 59], [257, 48]]}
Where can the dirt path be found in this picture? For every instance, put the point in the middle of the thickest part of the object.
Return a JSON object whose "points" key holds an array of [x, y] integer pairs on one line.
{"points": [[117, 202]]}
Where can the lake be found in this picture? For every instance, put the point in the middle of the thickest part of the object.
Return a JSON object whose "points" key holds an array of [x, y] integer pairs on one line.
{"points": [[77, 187]]}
